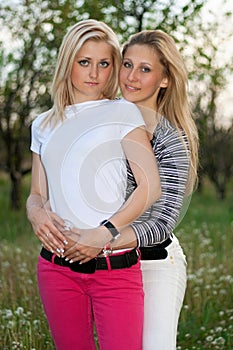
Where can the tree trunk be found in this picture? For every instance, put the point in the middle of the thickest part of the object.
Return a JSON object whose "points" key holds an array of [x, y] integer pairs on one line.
{"points": [[221, 193], [16, 193]]}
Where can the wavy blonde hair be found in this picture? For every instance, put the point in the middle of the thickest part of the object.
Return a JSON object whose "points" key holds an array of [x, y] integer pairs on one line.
{"points": [[172, 101], [62, 88]]}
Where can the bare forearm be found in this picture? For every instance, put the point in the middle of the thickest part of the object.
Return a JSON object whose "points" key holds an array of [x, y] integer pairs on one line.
{"points": [[46, 225], [138, 202], [127, 239], [34, 202]]}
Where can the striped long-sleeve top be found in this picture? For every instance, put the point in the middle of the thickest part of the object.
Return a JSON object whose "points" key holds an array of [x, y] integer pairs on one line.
{"points": [[158, 222]]}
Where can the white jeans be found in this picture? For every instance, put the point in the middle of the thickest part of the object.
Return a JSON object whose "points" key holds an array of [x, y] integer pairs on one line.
{"points": [[164, 286]]}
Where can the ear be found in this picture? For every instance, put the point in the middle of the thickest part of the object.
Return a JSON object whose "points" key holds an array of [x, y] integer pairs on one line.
{"points": [[164, 82]]}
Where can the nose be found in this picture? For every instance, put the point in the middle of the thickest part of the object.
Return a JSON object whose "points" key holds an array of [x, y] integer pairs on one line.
{"points": [[93, 71], [132, 75]]}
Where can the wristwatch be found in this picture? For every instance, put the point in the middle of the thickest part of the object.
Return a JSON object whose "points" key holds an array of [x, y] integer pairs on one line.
{"points": [[114, 232]]}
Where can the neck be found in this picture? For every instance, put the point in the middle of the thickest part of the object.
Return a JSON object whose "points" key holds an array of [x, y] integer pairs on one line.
{"points": [[151, 118]]}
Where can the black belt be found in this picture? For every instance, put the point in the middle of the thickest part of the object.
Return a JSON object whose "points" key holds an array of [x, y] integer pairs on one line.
{"points": [[116, 261], [156, 252]]}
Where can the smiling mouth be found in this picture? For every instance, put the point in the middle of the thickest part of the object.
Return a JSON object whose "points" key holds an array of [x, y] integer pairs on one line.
{"points": [[131, 88]]}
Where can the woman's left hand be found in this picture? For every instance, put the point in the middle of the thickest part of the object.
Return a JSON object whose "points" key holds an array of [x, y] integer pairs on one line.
{"points": [[89, 243]]}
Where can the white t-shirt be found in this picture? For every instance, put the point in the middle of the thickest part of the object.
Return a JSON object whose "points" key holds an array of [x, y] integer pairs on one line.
{"points": [[84, 160]]}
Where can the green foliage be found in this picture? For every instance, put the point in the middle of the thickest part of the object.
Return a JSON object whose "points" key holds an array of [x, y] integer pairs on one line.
{"points": [[206, 234], [35, 29], [216, 157]]}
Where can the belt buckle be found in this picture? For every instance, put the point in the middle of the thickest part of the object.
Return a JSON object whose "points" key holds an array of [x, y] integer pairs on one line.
{"points": [[107, 250]]}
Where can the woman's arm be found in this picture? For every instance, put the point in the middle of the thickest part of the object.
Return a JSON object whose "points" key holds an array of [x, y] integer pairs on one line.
{"points": [[43, 220], [157, 223], [143, 164]]}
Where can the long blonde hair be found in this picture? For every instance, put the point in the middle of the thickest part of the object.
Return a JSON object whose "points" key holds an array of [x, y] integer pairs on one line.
{"points": [[172, 101], [62, 88]]}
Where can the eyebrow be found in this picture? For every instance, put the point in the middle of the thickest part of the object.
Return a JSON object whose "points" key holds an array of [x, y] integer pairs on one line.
{"points": [[129, 59], [90, 58], [149, 64]]}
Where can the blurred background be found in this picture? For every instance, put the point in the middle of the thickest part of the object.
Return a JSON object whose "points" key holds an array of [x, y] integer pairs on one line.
{"points": [[30, 36], [31, 33]]}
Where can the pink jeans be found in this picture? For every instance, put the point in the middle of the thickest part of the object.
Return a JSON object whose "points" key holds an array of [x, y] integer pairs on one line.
{"points": [[74, 302]]}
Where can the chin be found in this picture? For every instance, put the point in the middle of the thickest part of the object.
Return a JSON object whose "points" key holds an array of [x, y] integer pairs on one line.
{"points": [[131, 99]]}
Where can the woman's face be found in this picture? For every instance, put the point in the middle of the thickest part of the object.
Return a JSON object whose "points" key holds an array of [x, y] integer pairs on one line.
{"points": [[141, 76], [91, 70]]}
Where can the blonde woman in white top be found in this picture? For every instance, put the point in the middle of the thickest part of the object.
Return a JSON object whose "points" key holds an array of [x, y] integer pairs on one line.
{"points": [[79, 149]]}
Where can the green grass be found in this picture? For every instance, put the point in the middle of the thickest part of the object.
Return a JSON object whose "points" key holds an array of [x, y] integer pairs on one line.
{"points": [[206, 234]]}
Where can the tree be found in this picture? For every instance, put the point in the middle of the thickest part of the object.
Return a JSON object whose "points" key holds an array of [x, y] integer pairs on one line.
{"points": [[36, 28], [218, 158], [209, 76], [130, 16]]}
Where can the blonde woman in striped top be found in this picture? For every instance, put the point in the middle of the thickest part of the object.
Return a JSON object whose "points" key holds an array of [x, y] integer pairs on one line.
{"points": [[154, 77]]}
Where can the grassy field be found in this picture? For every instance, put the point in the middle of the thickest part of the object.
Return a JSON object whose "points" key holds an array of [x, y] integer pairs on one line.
{"points": [[206, 234]]}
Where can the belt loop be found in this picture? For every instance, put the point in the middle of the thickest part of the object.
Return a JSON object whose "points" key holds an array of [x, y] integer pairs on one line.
{"points": [[108, 263], [138, 251]]}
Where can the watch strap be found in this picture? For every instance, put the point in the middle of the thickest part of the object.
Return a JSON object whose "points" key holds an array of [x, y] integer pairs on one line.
{"points": [[114, 232]]}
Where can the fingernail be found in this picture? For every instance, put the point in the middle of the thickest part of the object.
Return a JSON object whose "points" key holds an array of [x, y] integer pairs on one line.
{"points": [[80, 262], [62, 250], [71, 261], [65, 242], [66, 259], [52, 251], [58, 250]]}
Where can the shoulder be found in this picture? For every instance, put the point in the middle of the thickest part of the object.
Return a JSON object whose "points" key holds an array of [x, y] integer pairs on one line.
{"points": [[123, 104], [166, 128], [166, 131], [39, 129], [127, 111], [40, 118], [168, 140]]}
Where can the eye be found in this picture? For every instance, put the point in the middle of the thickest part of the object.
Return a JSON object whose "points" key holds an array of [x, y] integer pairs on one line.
{"points": [[104, 64], [145, 69], [83, 63], [127, 64]]}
